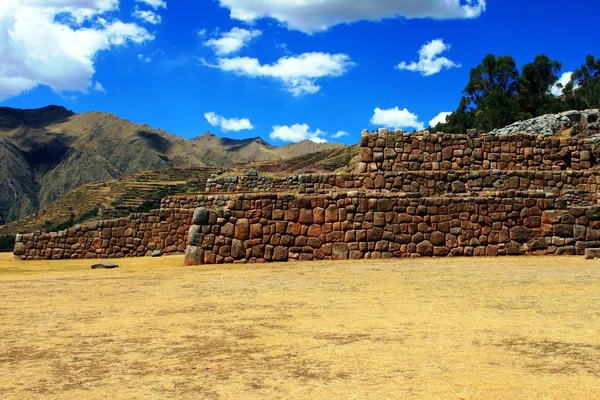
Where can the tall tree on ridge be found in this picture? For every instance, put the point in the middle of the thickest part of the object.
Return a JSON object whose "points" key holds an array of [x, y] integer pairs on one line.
{"points": [[492, 92], [583, 91], [534, 84]]}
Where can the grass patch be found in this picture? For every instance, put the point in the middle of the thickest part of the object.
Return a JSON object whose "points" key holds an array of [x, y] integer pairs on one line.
{"points": [[483, 328]]}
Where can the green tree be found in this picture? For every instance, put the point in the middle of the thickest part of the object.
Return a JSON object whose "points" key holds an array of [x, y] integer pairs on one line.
{"points": [[491, 93], [534, 86], [459, 121], [494, 72], [583, 91]]}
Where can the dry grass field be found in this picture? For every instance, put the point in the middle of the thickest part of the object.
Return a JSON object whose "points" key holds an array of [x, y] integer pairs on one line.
{"points": [[487, 328]]}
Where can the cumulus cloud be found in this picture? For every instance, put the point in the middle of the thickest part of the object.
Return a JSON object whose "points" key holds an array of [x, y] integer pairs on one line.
{"points": [[429, 63], [395, 118], [340, 134], [156, 4], [232, 41], [297, 133], [311, 16], [557, 88], [297, 73], [226, 125], [99, 88], [440, 118], [147, 16], [56, 43], [146, 58]]}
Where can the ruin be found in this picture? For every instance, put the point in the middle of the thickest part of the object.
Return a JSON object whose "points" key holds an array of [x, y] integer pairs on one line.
{"points": [[409, 195]]}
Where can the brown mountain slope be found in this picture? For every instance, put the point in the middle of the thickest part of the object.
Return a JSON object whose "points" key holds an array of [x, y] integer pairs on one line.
{"points": [[112, 199], [143, 191], [46, 153]]}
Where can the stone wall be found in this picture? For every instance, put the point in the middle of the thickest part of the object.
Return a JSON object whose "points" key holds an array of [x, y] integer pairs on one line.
{"points": [[254, 184], [411, 195], [578, 187], [362, 225], [398, 151], [139, 235]]}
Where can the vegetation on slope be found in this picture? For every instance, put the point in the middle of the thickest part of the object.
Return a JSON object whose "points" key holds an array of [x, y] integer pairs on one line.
{"points": [[112, 199]]}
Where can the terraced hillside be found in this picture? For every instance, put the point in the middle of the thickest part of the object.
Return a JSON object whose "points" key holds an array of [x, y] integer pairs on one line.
{"points": [[46, 153], [112, 199], [339, 160]]}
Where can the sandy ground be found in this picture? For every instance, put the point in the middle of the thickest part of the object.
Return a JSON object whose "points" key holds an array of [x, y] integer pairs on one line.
{"points": [[486, 328]]}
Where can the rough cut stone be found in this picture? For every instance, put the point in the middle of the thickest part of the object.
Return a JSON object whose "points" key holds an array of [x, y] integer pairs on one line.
{"points": [[425, 248], [200, 217], [105, 265], [591, 254], [194, 255]]}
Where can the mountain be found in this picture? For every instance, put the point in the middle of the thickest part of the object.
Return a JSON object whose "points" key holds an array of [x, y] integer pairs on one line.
{"points": [[47, 152], [112, 199]]}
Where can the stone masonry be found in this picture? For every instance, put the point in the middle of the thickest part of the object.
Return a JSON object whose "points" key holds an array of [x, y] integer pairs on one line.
{"points": [[138, 235], [411, 195]]}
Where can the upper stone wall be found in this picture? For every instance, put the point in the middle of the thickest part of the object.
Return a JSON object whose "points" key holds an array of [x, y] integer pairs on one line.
{"points": [[575, 187], [398, 151]]}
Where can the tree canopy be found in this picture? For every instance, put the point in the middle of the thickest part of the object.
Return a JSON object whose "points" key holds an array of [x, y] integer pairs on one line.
{"points": [[497, 94]]}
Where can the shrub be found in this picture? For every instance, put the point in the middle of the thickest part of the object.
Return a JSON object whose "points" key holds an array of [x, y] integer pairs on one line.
{"points": [[7, 243]]}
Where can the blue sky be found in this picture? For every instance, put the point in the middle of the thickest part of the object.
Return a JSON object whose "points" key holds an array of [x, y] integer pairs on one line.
{"points": [[286, 71]]}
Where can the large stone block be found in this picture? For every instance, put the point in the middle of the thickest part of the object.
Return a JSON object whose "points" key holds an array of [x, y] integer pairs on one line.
{"points": [[591, 254], [195, 236], [242, 229], [20, 249], [425, 248], [280, 254], [201, 216], [520, 234], [238, 249], [340, 251], [194, 255]]}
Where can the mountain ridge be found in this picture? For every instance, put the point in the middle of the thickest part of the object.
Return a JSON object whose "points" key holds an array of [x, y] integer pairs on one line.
{"points": [[49, 151]]}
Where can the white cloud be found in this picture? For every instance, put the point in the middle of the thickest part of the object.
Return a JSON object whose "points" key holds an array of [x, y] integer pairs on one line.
{"points": [[318, 15], [396, 118], [297, 73], [147, 16], [56, 43], [340, 134], [146, 58], [226, 125], [143, 58], [99, 88], [156, 4], [429, 62], [232, 41], [297, 133], [201, 32], [563, 80], [440, 118]]}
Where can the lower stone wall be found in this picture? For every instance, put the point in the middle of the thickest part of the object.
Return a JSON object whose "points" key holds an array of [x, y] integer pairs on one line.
{"points": [[359, 225], [138, 235]]}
